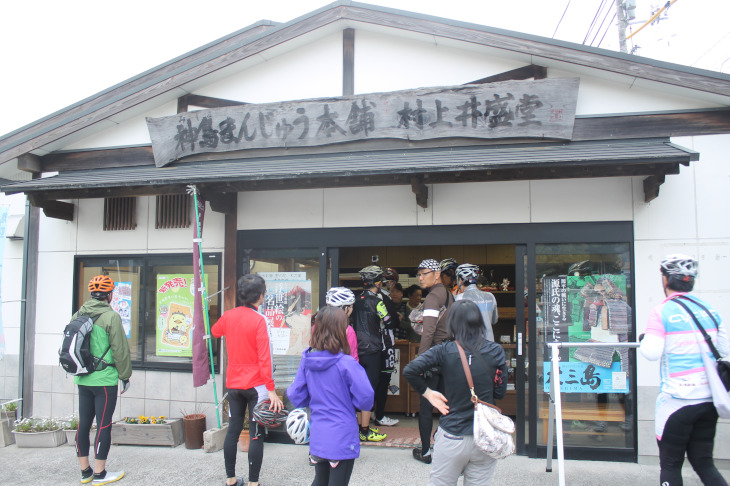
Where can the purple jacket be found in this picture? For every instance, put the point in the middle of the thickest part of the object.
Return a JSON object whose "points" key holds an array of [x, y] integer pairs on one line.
{"points": [[332, 386]]}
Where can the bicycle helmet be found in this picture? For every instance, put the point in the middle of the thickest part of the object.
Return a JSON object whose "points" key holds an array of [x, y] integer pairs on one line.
{"points": [[678, 265], [101, 283], [390, 274], [468, 272], [268, 418], [372, 274], [297, 426], [339, 297], [448, 264]]}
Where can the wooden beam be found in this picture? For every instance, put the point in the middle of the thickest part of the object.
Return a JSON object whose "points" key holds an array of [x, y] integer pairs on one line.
{"points": [[531, 71], [348, 62], [221, 202], [52, 208], [651, 187], [97, 159], [30, 163], [229, 255], [421, 192], [210, 102]]}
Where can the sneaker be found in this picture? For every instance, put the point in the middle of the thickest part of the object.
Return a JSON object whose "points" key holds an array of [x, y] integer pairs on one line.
{"points": [[372, 436], [87, 477], [110, 477], [387, 421], [600, 427], [418, 455]]}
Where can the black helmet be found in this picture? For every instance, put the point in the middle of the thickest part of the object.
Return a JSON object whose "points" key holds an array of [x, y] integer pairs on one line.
{"points": [[372, 274]]}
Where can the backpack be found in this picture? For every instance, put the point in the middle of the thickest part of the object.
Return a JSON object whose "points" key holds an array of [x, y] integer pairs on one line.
{"points": [[74, 355]]}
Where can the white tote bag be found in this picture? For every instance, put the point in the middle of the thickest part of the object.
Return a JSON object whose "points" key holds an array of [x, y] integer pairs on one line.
{"points": [[720, 396]]}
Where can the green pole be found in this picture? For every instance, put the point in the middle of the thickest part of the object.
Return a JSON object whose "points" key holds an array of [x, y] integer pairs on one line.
{"points": [[204, 296]]}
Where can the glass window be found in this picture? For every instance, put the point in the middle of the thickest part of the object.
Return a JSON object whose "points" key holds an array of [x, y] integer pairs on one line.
{"points": [[585, 295], [153, 295]]}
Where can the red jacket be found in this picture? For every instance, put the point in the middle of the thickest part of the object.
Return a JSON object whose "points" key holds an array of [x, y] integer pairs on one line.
{"points": [[247, 345]]}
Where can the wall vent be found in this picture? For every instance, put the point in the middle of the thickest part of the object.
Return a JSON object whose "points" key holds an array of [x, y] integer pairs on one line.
{"points": [[120, 213], [173, 211]]}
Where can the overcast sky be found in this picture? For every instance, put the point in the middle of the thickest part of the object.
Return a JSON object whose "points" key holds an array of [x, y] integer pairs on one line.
{"points": [[54, 53]]}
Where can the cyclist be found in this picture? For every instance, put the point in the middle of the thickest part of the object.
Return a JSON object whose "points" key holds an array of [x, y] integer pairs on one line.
{"points": [[448, 275], [466, 278], [343, 298]]}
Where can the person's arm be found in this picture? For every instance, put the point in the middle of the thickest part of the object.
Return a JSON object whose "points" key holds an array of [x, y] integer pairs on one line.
{"points": [[219, 328], [430, 319], [413, 373], [652, 346], [264, 354], [500, 379], [358, 385], [298, 391], [495, 313], [119, 347], [352, 341]]}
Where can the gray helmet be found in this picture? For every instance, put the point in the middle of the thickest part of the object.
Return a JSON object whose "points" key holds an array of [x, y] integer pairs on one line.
{"points": [[468, 272], [679, 265], [339, 297], [372, 273]]}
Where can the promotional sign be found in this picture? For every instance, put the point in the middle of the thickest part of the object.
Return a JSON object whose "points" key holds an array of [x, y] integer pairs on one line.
{"points": [[585, 309], [287, 308], [122, 304], [175, 304]]}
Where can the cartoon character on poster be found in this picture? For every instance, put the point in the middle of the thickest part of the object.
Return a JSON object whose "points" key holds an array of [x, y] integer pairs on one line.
{"points": [[175, 304], [122, 304]]}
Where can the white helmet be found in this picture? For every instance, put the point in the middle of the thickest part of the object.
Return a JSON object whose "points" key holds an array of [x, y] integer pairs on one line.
{"points": [[297, 426], [467, 272], [339, 297], [679, 265]]}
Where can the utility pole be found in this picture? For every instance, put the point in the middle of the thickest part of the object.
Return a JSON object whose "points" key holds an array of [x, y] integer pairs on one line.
{"points": [[622, 24]]}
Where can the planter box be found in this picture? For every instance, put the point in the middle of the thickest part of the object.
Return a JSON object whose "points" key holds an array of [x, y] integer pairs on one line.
{"points": [[53, 438], [11, 415], [169, 434], [71, 437]]}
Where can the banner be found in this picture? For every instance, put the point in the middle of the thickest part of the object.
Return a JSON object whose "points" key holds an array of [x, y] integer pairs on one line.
{"points": [[175, 312]]}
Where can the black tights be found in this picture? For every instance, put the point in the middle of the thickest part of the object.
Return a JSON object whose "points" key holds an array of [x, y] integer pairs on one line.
{"points": [[99, 402], [692, 430], [238, 400], [425, 413], [326, 475]]}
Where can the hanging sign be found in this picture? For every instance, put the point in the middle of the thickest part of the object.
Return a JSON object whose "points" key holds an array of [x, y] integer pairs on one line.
{"points": [[542, 108]]}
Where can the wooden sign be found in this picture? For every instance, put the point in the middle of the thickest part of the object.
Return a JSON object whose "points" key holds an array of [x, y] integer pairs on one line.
{"points": [[513, 109]]}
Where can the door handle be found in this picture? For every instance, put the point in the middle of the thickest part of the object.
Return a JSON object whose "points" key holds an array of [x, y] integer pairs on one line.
{"points": [[519, 344]]}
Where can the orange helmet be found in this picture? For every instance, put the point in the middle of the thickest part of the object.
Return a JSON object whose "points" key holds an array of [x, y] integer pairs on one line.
{"points": [[101, 283]]}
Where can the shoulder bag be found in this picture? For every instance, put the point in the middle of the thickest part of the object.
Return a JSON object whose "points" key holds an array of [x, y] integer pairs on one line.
{"points": [[492, 430], [718, 371]]}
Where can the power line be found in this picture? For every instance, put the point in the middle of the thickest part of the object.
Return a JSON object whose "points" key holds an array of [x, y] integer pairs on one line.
{"points": [[607, 29], [608, 11], [561, 19], [595, 17], [711, 48]]}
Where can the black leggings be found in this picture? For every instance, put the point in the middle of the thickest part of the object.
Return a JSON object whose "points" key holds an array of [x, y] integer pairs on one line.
{"points": [[99, 402], [425, 413], [238, 400], [692, 430], [381, 394], [326, 475]]}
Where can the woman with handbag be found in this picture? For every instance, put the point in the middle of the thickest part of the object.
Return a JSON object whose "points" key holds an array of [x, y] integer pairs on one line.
{"points": [[455, 451], [685, 417]]}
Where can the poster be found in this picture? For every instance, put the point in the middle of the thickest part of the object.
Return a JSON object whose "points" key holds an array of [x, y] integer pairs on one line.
{"points": [[122, 304], [287, 308], [175, 304], [584, 309]]}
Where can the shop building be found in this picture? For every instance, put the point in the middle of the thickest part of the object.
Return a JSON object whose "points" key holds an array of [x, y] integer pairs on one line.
{"points": [[359, 134]]}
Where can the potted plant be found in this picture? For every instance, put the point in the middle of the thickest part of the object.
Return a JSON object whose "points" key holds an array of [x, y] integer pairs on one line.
{"points": [[70, 427], [9, 411], [194, 427], [39, 432], [7, 421], [148, 431]]}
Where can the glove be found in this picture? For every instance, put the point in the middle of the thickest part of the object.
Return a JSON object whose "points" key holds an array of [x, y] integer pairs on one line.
{"points": [[125, 386]]}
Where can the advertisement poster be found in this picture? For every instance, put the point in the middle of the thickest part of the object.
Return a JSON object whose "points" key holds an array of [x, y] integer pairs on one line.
{"points": [[288, 310], [584, 309], [175, 303], [122, 304]]}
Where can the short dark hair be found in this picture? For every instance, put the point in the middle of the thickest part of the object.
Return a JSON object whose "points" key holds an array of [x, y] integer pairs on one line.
{"points": [[100, 295], [409, 290], [398, 286], [250, 288], [465, 325], [330, 330], [678, 284]]}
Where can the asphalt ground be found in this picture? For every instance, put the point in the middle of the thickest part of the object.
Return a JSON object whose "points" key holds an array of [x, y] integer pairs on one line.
{"points": [[287, 465]]}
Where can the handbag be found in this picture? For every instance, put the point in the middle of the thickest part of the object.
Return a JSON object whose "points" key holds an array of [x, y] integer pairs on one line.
{"points": [[717, 370], [492, 430]]}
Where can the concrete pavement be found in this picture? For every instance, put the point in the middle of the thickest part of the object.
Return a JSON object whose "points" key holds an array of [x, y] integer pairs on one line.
{"points": [[287, 465]]}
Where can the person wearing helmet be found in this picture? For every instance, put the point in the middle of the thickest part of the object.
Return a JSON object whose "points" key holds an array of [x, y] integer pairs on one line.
{"points": [[332, 385], [98, 390], [686, 417], [435, 310], [448, 274], [466, 281], [388, 329], [249, 376], [368, 314], [343, 298]]}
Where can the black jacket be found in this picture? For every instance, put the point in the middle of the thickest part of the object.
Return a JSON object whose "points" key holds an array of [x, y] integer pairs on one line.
{"points": [[489, 375], [366, 322]]}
